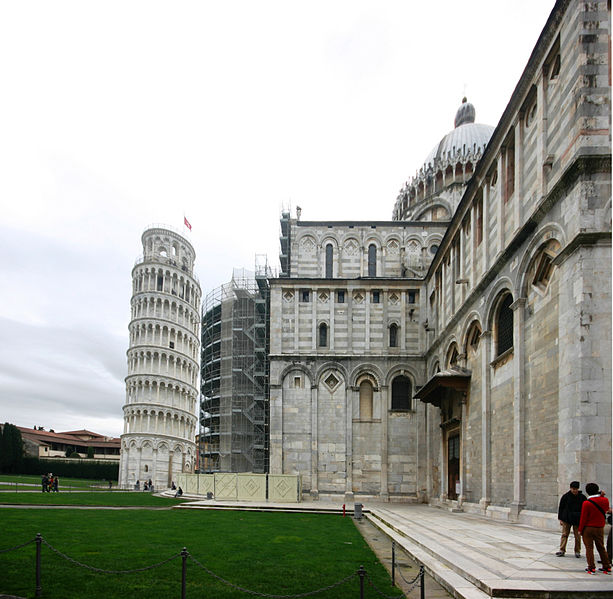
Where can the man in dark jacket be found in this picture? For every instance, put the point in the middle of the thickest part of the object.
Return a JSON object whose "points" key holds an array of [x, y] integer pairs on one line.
{"points": [[569, 513]]}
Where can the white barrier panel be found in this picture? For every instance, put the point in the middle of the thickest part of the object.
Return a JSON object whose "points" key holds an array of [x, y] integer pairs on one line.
{"points": [[284, 488], [246, 486], [251, 487], [225, 486]]}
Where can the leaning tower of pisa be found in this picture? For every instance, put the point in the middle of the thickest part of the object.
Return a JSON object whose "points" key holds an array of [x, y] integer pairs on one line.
{"points": [[160, 413]]}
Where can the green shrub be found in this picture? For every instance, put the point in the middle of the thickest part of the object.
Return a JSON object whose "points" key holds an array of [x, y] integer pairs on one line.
{"points": [[81, 468], [11, 448]]}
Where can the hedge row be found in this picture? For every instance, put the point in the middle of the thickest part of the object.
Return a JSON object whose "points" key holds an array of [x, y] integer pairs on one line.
{"points": [[71, 468]]}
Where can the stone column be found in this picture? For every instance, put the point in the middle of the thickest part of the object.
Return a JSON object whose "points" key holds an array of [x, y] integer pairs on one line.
{"points": [[350, 394], [367, 320], [463, 425], [276, 429], [383, 492], [331, 328], [314, 444], [296, 331], [541, 136], [314, 331], [485, 241], [486, 460], [519, 491], [519, 169], [584, 363], [473, 244], [139, 453], [500, 195], [427, 420], [402, 341]]}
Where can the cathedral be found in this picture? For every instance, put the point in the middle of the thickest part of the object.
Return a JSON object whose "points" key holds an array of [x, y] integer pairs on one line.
{"points": [[459, 353]]}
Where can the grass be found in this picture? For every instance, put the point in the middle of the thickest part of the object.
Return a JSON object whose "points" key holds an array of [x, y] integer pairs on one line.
{"points": [[274, 553], [99, 498]]}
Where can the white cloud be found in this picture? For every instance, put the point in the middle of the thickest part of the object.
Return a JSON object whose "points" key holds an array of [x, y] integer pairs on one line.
{"points": [[122, 114]]}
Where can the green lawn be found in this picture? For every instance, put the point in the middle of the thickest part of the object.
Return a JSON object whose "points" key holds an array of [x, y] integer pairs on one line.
{"points": [[101, 498], [272, 553]]}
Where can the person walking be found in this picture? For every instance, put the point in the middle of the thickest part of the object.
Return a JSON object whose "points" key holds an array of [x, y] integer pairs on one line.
{"points": [[591, 527], [569, 512]]}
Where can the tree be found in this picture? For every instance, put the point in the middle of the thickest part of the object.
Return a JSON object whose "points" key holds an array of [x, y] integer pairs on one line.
{"points": [[11, 448], [90, 452], [68, 451]]}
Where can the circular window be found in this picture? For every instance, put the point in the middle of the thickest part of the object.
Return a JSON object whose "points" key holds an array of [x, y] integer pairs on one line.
{"points": [[433, 249]]}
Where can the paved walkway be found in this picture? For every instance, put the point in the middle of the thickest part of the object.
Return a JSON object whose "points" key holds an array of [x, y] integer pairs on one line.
{"points": [[471, 556]]}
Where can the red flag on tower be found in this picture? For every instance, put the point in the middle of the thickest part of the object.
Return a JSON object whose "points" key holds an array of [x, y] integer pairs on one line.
{"points": [[187, 223]]}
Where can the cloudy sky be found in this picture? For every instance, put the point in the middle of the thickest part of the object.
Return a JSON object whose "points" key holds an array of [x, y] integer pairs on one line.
{"points": [[117, 115]]}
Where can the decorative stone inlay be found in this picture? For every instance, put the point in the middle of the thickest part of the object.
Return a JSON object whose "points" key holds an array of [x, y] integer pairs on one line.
{"points": [[282, 488], [252, 487], [288, 296], [331, 382], [393, 247], [225, 484], [351, 247], [394, 298], [307, 244], [323, 297], [358, 297]]}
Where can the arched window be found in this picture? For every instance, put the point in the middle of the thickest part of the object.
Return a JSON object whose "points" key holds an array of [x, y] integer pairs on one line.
{"points": [[329, 258], [323, 335], [401, 393], [366, 393], [452, 356], [473, 337], [504, 325], [372, 260], [393, 335]]}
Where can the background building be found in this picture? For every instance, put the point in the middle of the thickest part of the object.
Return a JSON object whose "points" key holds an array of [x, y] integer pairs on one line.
{"points": [[234, 407], [160, 414], [463, 357], [40, 443]]}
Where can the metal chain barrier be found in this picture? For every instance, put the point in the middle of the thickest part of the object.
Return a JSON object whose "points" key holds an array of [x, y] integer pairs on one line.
{"points": [[184, 554], [380, 592], [102, 571], [258, 594], [17, 546], [409, 582]]}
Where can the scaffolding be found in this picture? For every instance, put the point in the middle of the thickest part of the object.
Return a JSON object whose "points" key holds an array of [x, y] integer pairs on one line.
{"points": [[234, 411]]}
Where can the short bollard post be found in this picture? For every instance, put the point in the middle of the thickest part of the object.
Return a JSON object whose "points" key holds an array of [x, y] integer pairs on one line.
{"points": [[39, 541], [422, 580], [393, 563], [184, 555], [361, 574]]}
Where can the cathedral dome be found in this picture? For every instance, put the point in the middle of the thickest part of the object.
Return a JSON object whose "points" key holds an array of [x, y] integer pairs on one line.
{"points": [[467, 137]]}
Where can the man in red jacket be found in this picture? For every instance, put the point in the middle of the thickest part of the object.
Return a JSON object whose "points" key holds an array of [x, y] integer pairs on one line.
{"points": [[591, 527]]}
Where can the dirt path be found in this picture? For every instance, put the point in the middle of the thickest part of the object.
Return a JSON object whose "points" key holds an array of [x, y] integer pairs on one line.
{"points": [[382, 547]]}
